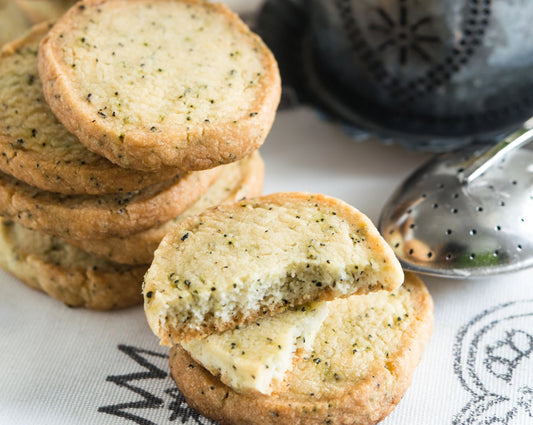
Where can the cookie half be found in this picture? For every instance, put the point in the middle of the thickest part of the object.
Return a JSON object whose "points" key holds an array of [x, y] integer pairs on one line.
{"points": [[359, 367], [192, 87], [237, 262], [66, 273], [99, 217], [242, 179], [36, 148]]}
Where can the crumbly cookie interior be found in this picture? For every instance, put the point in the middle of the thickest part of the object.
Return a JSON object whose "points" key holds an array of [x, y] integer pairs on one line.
{"points": [[255, 259]]}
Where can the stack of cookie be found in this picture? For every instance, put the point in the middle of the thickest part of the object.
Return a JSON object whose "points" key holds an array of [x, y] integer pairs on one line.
{"points": [[108, 137]]}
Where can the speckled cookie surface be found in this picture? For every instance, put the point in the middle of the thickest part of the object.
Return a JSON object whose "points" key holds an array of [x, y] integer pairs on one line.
{"points": [[67, 273], [236, 262], [13, 23], [192, 87], [36, 148], [99, 217], [242, 179], [359, 368]]}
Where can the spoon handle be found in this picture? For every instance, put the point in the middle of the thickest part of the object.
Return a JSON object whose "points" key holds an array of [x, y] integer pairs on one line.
{"points": [[484, 161]]}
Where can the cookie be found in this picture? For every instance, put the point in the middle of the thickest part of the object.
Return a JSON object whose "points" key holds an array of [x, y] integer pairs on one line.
{"points": [[242, 179], [256, 357], [44, 10], [359, 367], [99, 217], [13, 23], [236, 262], [36, 148], [67, 273], [192, 87]]}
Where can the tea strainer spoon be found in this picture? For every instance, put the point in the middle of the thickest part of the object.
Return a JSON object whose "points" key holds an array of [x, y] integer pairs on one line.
{"points": [[466, 213]]}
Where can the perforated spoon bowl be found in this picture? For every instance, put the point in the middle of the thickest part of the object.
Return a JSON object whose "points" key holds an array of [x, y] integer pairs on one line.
{"points": [[466, 213]]}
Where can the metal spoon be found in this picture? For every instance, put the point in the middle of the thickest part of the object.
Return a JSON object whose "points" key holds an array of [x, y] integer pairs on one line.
{"points": [[466, 213]]}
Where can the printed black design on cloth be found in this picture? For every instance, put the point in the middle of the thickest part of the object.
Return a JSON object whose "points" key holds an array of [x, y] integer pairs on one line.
{"points": [[180, 409], [151, 403], [494, 363]]}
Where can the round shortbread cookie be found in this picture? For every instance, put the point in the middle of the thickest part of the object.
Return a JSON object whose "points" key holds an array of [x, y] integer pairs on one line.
{"points": [[236, 262], [99, 217], [191, 87], [36, 148], [13, 23], [44, 10], [360, 366], [242, 179], [67, 273]]}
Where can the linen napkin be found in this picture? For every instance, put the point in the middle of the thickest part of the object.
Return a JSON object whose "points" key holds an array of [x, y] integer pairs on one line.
{"points": [[73, 366]]}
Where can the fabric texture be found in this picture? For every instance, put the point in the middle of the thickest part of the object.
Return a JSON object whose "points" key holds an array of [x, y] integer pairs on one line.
{"points": [[72, 366], [63, 366]]}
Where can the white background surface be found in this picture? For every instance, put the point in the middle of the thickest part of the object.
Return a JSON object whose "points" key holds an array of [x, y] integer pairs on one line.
{"points": [[54, 361]]}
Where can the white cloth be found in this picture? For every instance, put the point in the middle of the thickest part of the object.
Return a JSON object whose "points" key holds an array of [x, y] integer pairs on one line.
{"points": [[70, 366], [63, 366]]}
